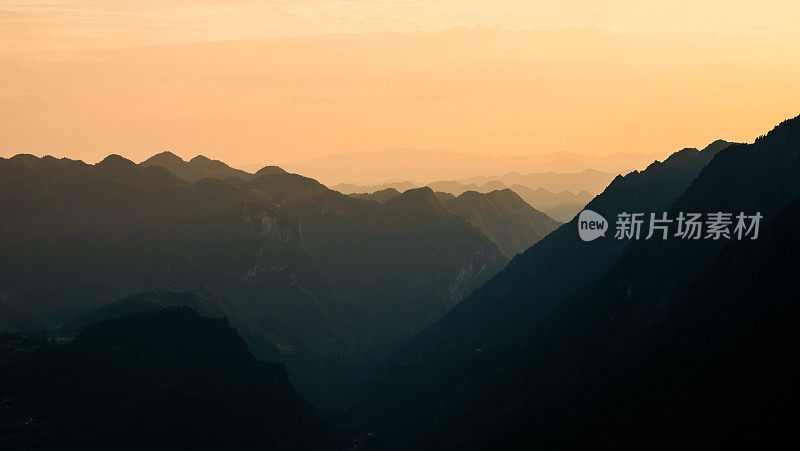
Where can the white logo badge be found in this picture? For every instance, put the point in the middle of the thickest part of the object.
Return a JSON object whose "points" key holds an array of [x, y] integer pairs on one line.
{"points": [[591, 225]]}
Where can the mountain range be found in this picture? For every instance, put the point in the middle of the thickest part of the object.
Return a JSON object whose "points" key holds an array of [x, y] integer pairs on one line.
{"points": [[619, 343], [560, 206], [322, 281], [590, 181], [533, 188], [424, 319], [426, 166], [511, 223]]}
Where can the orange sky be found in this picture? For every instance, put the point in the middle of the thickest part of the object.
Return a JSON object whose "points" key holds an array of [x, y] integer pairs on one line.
{"points": [[284, 81]]}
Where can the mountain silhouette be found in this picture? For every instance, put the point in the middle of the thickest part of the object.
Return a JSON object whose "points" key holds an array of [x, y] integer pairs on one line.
{"points": [[165, 378], [561, 206], [469, 368], [536, 188], [379, 196], [710, 371], [199, 167], [351, 188], [269, 170], [503, 217], [421, 199], [457, 188], [589, 180], [331, 281], [666, 343]]}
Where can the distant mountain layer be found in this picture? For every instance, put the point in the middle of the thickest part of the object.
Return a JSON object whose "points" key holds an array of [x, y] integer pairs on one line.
{"points": [[502, 215], [591, 181], [168, 376], [379, 196], [425, 166], [561, 206]]}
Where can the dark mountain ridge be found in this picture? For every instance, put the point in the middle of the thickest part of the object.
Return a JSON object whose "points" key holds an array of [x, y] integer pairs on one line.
{"points": [[711, 372], [632, 355], [151, 379], [433, 382]]}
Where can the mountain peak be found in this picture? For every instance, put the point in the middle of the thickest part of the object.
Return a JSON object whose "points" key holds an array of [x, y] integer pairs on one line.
{"points": [[416, 197], [204, 160], [716, 146], [270, 170], [504, 217], [27, 157], [198, 168], [379, 196], [115, 161], [504, 193], [165, 157]]}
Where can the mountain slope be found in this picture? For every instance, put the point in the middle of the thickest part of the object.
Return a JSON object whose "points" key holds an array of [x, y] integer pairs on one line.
{"points": [[165, 377], [432, 384], [503, 217], [759, 177], [644, 353], [262, 341], [714, 373]]}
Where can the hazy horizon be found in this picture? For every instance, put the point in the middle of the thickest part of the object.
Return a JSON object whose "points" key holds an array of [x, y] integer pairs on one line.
{"points": [[289, 82]]}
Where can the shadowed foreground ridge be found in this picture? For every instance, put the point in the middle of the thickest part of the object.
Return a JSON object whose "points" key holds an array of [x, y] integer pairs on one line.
{"points": [[165, 379]]}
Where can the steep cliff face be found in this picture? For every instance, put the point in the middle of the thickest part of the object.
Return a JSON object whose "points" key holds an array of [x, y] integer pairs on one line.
{"points": [[478, 266]]}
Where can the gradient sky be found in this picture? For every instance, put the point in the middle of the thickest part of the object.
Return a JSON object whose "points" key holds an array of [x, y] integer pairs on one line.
{"points": [[279, 81]]}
